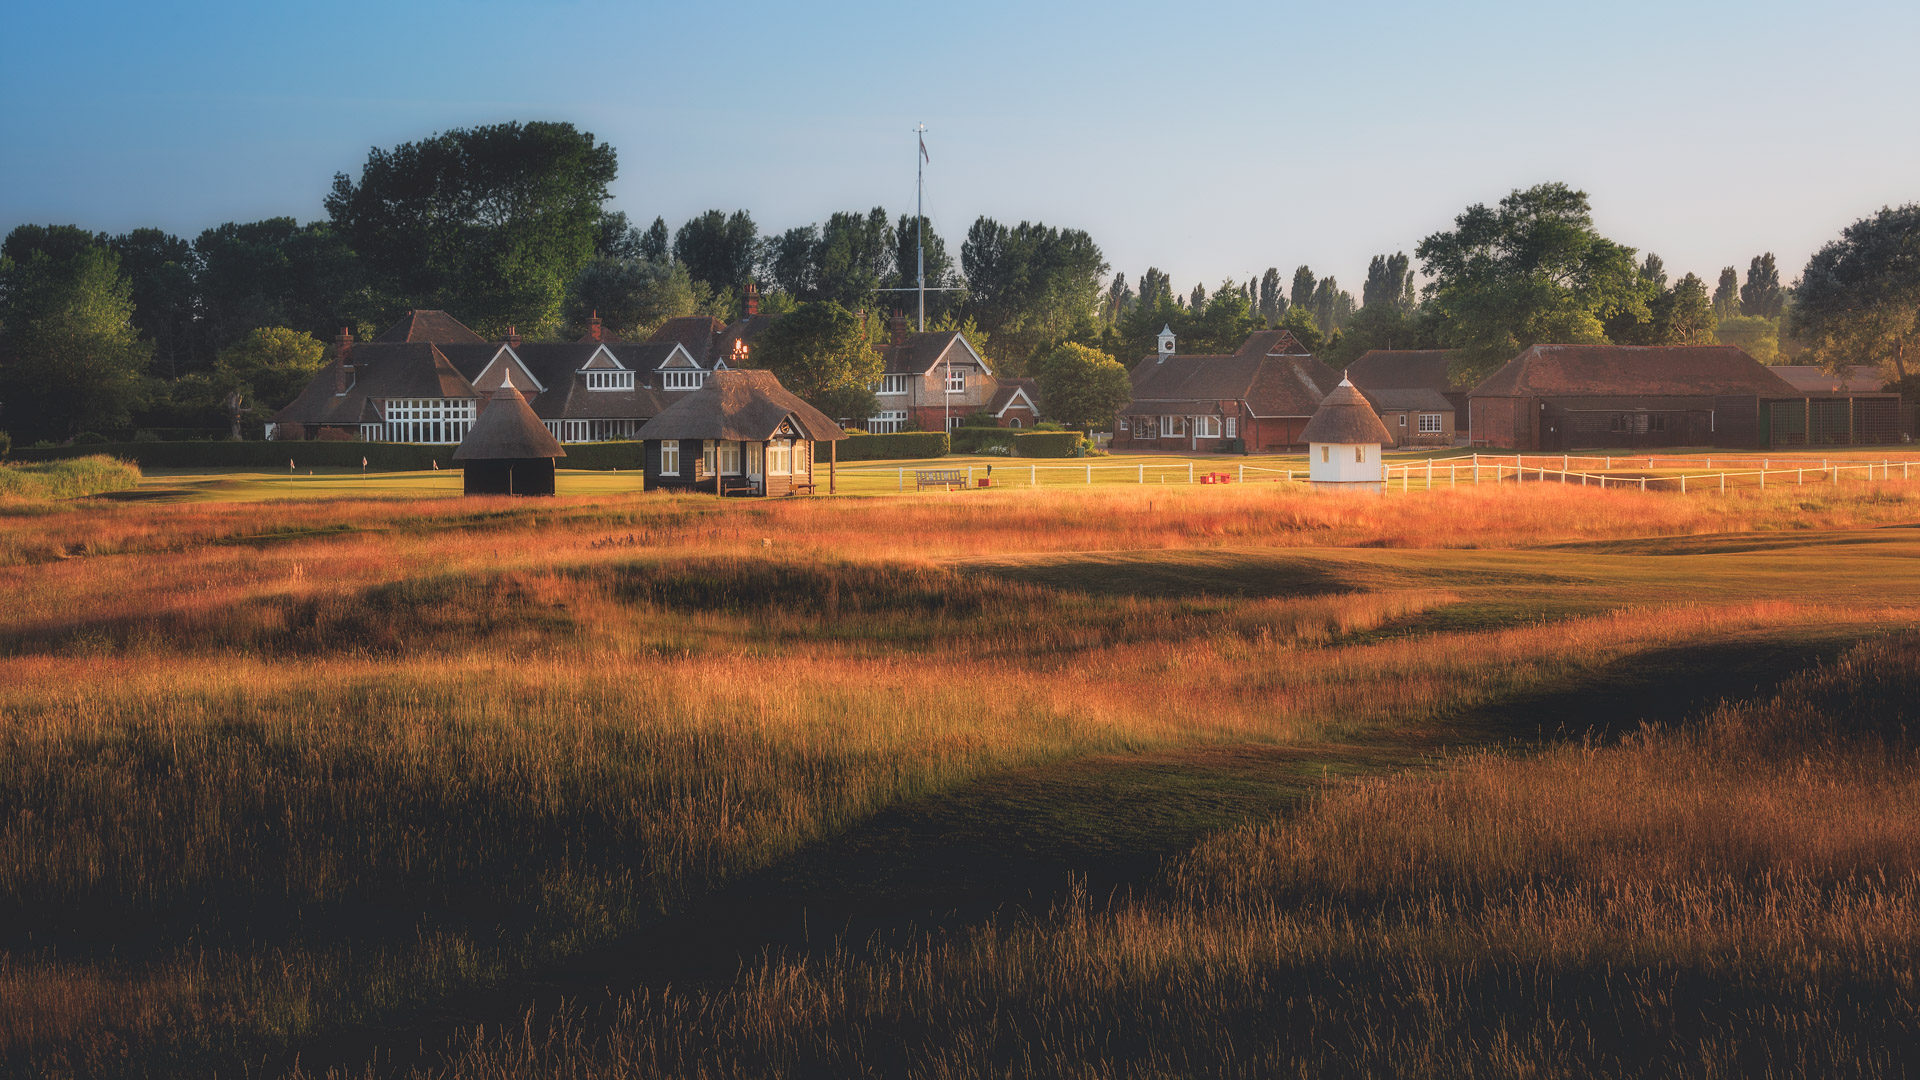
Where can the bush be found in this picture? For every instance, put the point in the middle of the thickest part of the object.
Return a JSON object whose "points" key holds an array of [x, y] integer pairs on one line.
{"points": [[89, 438], [1048, 425], [980, 440], [6, 444], [904, 444], [1048, 444], [69, 478], [982, 419]]}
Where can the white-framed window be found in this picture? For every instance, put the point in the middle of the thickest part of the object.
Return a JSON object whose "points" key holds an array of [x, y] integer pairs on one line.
{"points": [[1207, 427], [779, 458], [609, 380], [953, 422], [887, 422], [729, 459], [1233, 427], [1403, 419], [1430, 423], [1173, 427], [891, 384], [669, 457], [576, 431], [709, 457], [682, 380], [957, 381], [428, 420]]}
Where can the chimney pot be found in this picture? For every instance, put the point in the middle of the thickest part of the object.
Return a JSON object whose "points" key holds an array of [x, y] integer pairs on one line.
{"points": [[513, 337], [753, 299], [899, 327], [593, 325]]}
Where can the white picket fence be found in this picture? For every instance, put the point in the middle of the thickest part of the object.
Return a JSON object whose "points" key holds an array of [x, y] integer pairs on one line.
{"points": [[1035, 475]]}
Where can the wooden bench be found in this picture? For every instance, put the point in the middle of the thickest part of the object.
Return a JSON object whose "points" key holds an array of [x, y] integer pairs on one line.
{"points": [[946, 478], [737, 485]]}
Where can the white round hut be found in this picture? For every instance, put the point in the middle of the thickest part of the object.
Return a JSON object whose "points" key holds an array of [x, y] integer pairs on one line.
{"points": [[1343, 441]]}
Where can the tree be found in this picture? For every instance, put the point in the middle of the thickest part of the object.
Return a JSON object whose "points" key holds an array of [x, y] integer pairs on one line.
{"points": [[1273, 302], [1761, 295], [492, 223], [618, 238], [939, 265], [1154, 287], [1726, 295], [1389, 283], [633, 296], [277, 273], [820, 348], [1332, 306], [270, 366], [1858, 300], [1300, 322], [1030, 285], [654, 242], [160, 268], [1653, 271], [1758, 335], [719, 249], [1082, 386], [70, 357], [1534, 270], [1197, 302], [1690, 316], [1303, 285], [856, 252]]}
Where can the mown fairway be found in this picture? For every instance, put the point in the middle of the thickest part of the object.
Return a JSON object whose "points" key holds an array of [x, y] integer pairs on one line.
{"points": [[1004, 782]]}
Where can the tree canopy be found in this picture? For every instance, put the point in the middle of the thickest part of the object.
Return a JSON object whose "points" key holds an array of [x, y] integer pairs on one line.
{"points": [[823, 353], [1532, 270], [719, 250], [1030, 284], [490, 222], [70, 357], [1082, 385], [1858, 300]]}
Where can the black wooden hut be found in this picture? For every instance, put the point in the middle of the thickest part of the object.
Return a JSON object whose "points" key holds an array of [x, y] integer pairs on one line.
{"points": [[740, 434], [508, 451]]}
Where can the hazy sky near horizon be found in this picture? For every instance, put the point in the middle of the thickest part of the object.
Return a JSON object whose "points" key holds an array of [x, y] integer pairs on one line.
{"points": [[1210, 139]]}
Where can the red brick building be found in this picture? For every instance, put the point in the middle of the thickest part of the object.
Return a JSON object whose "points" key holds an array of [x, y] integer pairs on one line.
{"points": [[1259, 397]]}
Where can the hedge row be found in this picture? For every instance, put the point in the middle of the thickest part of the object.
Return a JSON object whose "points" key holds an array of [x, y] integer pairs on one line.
{"points": [[1035, 444], [903, 444], [381, 457]]}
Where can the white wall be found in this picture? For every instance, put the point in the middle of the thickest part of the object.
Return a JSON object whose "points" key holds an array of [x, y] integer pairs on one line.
{"points": [[1333, 463]]}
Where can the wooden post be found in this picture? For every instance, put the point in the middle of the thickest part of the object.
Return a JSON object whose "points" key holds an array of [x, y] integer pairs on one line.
{"points": [[1189, 473], [833, 467]]}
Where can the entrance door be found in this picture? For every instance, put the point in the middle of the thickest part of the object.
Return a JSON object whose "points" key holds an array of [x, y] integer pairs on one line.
{"points": [[756, 462]]}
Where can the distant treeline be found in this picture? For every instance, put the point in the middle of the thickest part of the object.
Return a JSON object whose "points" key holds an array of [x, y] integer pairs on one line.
{"points": [[507, 226]]}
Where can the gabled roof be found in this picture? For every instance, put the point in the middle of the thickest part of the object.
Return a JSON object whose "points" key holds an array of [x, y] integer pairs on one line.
{"points": [[1345, 418], [1286, 384], [507, 428], [1633, 371], [921, 352], [1275, 342], [1401, 369], [697, 333], [437, 327], [1808, 379], [1012, 391], [740, 406]]}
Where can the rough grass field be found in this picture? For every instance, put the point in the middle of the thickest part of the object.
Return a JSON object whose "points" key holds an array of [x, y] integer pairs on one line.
{"points": [[353, 782]]}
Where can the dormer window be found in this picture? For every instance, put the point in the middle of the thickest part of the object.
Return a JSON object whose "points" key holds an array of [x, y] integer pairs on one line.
{"points": [[609, 380], [682, 380], [891, 384], [957, 381]]}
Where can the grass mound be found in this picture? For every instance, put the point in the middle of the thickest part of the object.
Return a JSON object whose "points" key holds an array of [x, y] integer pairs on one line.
{"points": [[69, 479]]}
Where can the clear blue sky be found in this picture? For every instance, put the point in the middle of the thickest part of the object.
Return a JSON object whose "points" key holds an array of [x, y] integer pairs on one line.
{"points": [[1210, 139]]}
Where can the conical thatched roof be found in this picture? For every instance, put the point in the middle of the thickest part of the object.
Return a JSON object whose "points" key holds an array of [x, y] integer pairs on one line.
{"points": [[507, 428], [1345, 417], [740, 406]]}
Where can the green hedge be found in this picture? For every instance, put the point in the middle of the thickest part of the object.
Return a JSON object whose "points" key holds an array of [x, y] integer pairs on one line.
{"points": [[904, 444], [1038, 444], [381, 457], [972, 440]]}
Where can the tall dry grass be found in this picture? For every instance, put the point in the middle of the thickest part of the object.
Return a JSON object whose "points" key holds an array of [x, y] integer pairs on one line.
{"points": [[65, 479], [1735, 898]]}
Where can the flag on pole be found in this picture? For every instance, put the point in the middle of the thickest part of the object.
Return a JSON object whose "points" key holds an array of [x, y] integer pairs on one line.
{"points": [[923, 150]]}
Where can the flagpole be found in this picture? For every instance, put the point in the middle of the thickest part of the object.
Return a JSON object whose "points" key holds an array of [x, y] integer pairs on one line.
{"points": [[919, 224]]}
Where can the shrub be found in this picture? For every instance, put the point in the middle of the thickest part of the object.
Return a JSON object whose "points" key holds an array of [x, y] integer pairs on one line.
{"points": [[1048, 425], [6, 444], [1045, 444], [89, 438], [981, 419], [69, 478], [979, 440], [146, 435], [904, 444]]}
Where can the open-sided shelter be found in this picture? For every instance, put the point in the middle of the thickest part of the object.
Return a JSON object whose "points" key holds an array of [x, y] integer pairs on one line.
{"points": [[508, 451], [740, 434], [1343, 440]]}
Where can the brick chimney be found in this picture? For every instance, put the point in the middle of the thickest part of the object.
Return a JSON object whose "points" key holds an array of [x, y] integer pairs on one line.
{"points": [[593, 326], [753, 299], [898, 327], [513, 338], [343, 365]]}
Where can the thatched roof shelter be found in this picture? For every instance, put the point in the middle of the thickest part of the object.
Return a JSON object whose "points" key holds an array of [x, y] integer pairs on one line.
{"points": [[508, 429], [1344, 418], [740, 406]]}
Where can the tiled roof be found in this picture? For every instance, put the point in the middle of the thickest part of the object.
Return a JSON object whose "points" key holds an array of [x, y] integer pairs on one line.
{"points": [[380, 371], [1807, 379], [437, 327], [746, 406], [1004, 396], [1407, 400], [1272, 385], [1401, 369], [698, 333], [922, 352], [1275, 342], [1633, 371]]}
